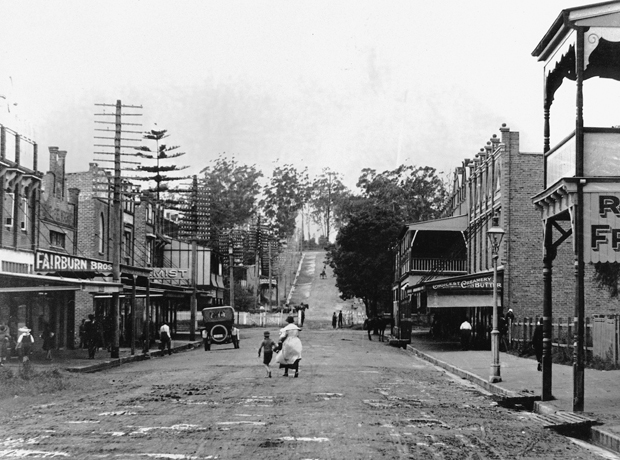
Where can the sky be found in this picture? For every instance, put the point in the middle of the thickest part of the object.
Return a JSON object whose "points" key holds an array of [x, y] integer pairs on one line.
{"points": [[339, 84]]}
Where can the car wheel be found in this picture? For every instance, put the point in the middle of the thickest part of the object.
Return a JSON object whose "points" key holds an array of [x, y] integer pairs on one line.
{"points": [[219, 331]]}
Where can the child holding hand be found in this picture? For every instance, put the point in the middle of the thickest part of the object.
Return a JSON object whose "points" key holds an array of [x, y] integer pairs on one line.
{"points": [[267, 345]]}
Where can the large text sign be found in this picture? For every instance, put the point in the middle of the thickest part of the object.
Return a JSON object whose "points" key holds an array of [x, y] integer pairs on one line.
{"points": [[53, 262], [601, 227]]}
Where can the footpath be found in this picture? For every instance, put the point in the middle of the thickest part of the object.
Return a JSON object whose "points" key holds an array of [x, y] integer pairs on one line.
{"points": [[522, 381], [78, 361]]}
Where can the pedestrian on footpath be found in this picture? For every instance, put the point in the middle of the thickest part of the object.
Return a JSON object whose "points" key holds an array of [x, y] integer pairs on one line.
{"points": [[537, 343], [334, 320], [5, 343], [48, 341], [303, 315], [267, 346], [340, 320], [24, 343], [82, 334], [465, 334], [164, 339], [91, 336]]}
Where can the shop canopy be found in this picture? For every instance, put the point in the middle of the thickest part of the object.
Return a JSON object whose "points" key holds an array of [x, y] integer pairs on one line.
{"points": [[22, 282]]}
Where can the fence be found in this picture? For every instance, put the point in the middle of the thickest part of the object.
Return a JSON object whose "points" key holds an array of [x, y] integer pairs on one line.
{"points": [[562, 334]]}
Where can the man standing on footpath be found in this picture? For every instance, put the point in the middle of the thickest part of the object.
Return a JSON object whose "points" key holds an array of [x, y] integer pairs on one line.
{"points": [[90, 334], [465, 334], [165, 339]]}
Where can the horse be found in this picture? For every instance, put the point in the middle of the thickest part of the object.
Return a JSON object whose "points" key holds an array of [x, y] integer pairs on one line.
{"points": [[379, 325]]}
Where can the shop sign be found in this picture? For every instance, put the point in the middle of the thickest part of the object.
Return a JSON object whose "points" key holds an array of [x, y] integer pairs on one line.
{"points": [[601, 227], [52, 262], [170, 274], [485, 282]]}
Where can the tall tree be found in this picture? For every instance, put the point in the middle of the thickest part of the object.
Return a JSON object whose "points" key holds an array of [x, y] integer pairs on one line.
{"points": [[234, 191], [158, 172], [416, 193], [284, 197], [327, 195], [362, 256]]}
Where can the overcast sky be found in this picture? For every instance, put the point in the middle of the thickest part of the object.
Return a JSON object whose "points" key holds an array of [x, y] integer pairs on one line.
{"points": [[339, 84]]}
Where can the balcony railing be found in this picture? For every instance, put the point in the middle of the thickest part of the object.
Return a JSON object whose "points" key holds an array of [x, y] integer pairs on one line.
{"points": [[600, 155], [439, 265]]}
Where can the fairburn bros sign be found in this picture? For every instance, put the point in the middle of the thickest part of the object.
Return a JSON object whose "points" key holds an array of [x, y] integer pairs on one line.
{"points": [[47, 261]]}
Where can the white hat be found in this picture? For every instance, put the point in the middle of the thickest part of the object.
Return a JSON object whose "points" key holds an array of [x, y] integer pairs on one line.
{"points": [[23, 329]]}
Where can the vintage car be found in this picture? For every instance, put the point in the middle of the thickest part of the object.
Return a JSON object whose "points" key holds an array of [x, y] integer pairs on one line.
{"points": [[218, 326]]}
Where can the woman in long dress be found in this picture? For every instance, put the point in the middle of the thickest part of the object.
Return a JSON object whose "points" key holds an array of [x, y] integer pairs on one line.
{"points": [[290, 354]]}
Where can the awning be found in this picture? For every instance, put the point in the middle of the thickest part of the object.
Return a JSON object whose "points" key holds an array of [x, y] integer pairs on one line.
{"points": [[456, 224], [21, 282], [467, 291], [461, 300]]}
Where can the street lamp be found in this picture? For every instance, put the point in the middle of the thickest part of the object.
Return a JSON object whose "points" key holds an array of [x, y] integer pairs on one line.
{"points": [[495, 235]]}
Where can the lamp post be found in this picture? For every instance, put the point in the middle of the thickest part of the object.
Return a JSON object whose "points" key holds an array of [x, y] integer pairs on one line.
{"points": [[495, 235]]}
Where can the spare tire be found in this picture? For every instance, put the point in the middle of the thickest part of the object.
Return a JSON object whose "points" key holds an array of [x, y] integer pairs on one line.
{"points": [[219, 333]]}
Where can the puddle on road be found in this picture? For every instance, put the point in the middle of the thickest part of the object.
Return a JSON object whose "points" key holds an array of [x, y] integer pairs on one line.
{"points": [[304, 439], [17, 448], [328, 396], [242, 422]]}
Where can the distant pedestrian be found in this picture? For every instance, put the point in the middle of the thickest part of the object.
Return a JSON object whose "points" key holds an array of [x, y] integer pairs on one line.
{"points": [[48, 341], [91, 336], [25, 342], [510, 319], [502, 327], [537, 343], [334, 320], [340, 320], [465, 334], [82, 334], [164, 338], [303, 316], [267, 345], [5, 343]]}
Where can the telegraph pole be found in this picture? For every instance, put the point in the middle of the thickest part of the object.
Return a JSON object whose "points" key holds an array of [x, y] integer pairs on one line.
{"points": [[193, 307], [117, 221], [116, 218]]}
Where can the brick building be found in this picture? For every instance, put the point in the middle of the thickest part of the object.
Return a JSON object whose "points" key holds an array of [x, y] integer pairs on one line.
{"points": [[155, 265], [37, 236], [444, 267]]}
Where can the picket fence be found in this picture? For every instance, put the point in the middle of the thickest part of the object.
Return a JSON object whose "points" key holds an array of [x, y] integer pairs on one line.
{"points": [[602, 335]]}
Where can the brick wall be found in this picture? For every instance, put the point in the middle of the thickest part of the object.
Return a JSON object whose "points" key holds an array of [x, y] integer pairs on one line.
{"points": [[522, 177]]}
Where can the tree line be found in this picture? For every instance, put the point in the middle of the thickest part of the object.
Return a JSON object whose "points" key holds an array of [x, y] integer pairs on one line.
{"points": [[366, 221]]}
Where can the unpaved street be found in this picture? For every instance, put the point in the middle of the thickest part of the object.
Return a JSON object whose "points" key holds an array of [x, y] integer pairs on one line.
{"points": [[354, 399]]}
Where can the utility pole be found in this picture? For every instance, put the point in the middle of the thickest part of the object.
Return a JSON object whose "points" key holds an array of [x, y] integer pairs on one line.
{"points": [[329, 199], [269, 255], [117, 210], [231, 263], [257, 271], [193, 307]]}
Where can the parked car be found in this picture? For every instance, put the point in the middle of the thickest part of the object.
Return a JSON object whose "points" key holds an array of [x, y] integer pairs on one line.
{"points": [[218, 326]]}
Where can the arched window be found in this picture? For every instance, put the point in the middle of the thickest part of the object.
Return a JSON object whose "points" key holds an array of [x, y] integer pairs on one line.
{"points": [[101, 242]]}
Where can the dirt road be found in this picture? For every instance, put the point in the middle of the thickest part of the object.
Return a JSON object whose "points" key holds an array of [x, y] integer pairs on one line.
{"points": [[354, 399]]}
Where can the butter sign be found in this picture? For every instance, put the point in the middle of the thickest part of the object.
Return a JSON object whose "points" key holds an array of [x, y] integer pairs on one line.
{"points": [[48, 261]]}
